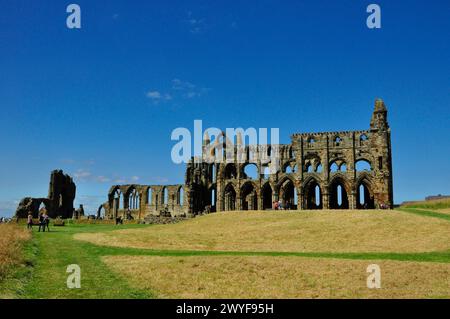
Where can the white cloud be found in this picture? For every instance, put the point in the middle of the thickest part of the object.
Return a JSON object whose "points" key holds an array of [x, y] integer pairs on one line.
{"points": [[157, 96], [179, 85], [154, 95], [196, 25], [103, 179], [179, 90], [82, 174]]}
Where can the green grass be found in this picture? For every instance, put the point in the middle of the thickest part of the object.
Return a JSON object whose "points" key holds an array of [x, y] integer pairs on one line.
{"points": [[48, 255], [431, 204], [425, 213], [54, 251]]}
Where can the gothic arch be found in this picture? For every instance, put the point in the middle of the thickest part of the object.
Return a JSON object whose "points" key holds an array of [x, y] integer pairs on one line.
{"points": [[287, 192], [312, 194], [249, 196], [132, 198], [229, 197], [267, 196], [364, 193], [338, 190], [230, 171]]}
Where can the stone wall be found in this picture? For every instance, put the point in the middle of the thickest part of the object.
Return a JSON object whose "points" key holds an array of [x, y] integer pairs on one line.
{"points": [[59, 202], [315, 171]]}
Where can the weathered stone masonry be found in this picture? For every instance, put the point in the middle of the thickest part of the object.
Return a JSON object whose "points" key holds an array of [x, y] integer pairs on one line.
{"points": [[316, 171], [59, 202]]}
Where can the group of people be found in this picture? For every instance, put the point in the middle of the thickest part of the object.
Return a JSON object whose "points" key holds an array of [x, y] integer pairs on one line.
{"points": [[4, 220], [44, 221], [278, 205]]}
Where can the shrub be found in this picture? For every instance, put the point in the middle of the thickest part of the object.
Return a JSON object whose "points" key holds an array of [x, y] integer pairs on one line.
{"points": [[58, 222]]}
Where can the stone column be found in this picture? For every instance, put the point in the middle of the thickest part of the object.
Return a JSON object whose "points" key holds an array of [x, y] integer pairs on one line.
{"points": [[325, 200], [352, 200]]}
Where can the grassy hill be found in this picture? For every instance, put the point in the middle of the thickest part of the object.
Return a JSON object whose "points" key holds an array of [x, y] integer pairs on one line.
{"points": [[289, 231], [290, 254]]}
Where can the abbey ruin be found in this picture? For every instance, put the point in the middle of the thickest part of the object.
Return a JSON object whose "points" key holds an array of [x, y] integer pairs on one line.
{"points": [[328, 170], [58, 203]]}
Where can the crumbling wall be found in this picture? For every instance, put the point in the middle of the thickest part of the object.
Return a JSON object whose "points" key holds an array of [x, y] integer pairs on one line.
{"points": [[315, 171], [137, 201], [61, 195]]}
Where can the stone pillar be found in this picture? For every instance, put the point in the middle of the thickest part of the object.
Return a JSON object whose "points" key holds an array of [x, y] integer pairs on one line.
{"points": [[276, 196], [325, 199], [299, 191], [352, 200]]}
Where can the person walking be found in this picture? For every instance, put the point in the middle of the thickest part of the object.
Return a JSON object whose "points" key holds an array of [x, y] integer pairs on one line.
{"points": [[30, 221]]}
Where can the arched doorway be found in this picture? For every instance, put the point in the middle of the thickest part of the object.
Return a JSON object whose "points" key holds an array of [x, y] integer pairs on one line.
{"points": [[364, 196], [165, 196], [338, 195], [230, 198], [101, 213], [313, 195], [287, 194], [249, 197], [133, 199], [117, 202], [149, 196], [199, 198], [266, 196], [180, 196]]}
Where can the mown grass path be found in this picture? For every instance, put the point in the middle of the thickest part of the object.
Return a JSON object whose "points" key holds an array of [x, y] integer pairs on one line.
{"points": [[49, 254]]}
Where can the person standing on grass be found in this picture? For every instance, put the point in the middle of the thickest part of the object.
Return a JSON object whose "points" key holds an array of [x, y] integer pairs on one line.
{"points": [[46, 221], [41, 222], [30, 221]]}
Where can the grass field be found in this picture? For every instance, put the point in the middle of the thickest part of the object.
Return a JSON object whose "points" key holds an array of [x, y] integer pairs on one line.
{"points": [[244, 254], [279, 277], [439, 204], [313, 231]]}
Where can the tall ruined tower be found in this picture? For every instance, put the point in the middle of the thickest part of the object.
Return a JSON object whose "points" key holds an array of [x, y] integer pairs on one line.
{"points": [[61, 194], [380, 144]]}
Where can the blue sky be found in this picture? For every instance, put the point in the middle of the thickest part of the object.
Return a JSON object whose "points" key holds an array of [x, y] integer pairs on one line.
{"points": [[101, 102]]}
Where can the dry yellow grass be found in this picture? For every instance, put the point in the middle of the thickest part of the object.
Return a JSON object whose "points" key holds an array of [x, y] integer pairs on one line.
{"points": [[11, 240], [312, 231], [443, 211], [279, 277]]}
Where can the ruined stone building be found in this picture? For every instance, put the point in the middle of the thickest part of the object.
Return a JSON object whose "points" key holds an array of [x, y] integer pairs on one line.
{"points": [[327, 170], [59, 202]]}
